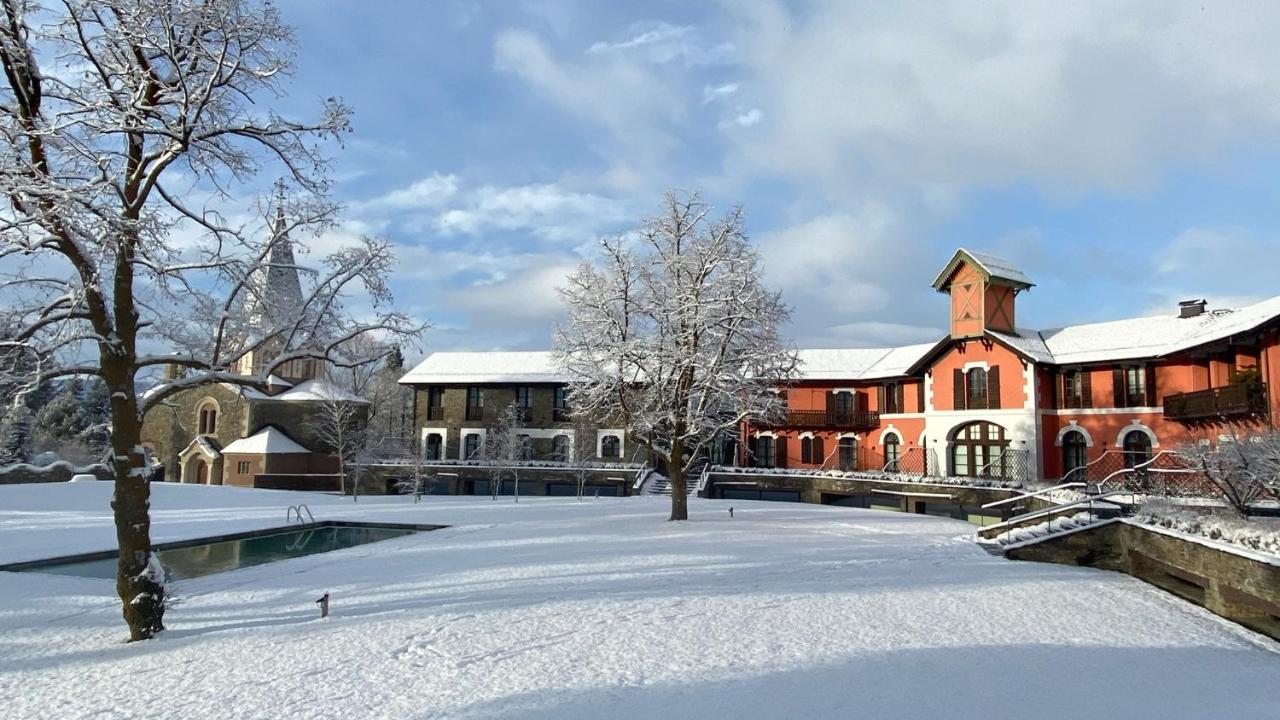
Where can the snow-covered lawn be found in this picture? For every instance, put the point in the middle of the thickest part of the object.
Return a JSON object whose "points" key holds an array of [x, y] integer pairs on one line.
{"points": [[601, 609]]}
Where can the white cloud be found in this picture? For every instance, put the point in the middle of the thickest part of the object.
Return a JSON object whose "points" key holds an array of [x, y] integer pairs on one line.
{"points": [[719, 92], [430, 192], [748, 118], [661, 43], [945, 98]]}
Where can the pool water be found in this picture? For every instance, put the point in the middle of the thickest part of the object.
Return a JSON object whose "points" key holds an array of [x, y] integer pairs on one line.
{"points": [[186, 560]]}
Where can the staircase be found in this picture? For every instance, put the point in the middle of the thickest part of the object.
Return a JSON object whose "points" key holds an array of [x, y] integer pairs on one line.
{"points": [[657, 484]]}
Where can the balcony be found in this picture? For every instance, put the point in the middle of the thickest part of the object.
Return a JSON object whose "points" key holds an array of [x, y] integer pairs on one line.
{"points": [[475, 412], [1229, 401], [435, 413], [560, 414], [834, 420]]}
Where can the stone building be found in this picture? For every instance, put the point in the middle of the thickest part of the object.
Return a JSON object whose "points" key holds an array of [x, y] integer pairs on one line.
{"points": [[261, 434]]}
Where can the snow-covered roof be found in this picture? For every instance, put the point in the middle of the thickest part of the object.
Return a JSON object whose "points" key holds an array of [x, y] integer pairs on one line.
{"points": [[274, 381], [308, 391], [859, 363], [1138, 337], [995, 267], [445, 368], [267, 441]]}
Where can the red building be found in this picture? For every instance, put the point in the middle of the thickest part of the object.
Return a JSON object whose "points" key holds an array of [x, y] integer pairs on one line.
{"points": [[996, 400]]}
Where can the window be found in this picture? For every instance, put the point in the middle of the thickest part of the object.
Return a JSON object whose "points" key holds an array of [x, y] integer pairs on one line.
{"points": [[434, 447], [1074, 452], [523, 396], [560, 448], [977, 450], [242, 467], [435, 403], [526, 448], [1137, 448], [806, 450], [892, 398], [848, 448], [470, 446], [475, 403], [891, 453], [844, 403], [976, 388], [1073, 389], [1135, 385], [1131, 384], [764, 451], [610, 447], [208, 419], [560, 403]]}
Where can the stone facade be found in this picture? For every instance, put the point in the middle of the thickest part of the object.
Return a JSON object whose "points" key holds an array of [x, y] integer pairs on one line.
{"points": [[167, 430], [1236, 586]]}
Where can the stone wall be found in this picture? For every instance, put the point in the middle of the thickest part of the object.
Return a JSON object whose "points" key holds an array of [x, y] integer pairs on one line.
{"points": [[1235, 585], [169, 428], [824, 489], [462, 479]]}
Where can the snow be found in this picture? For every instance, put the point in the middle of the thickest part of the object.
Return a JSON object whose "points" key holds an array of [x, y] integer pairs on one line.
{"points": [[995, 267], [1138, 337], [1255, 534], [859, 363], [309, 391], [537, 366], [556, 608], [268, 441]]}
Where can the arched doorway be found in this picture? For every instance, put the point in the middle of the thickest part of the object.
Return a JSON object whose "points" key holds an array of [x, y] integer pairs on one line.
{"points": [[892, 452], [1075, 451], [848, 448], [201, 473], [976, 449], [1137, 448]]}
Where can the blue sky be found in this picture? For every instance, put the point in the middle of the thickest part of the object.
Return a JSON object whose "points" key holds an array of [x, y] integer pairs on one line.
{"points": [[1126, 155]]}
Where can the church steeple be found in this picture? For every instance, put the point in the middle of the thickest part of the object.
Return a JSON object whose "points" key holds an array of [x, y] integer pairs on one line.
{"points": [[274, 293]]}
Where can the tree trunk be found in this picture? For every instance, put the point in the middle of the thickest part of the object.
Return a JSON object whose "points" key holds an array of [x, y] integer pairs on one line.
{"points": [[679, 499], [141, 594]]}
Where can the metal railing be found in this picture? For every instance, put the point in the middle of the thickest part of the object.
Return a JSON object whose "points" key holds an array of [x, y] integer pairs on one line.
{"points": [[836, 419], [1244, 398], [1009, 464], [296, 511]]}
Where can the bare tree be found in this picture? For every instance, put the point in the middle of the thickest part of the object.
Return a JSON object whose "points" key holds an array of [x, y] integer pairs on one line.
{"points": [[340, 424], [505, 447], [135, 127], [1242, 468], [581, 457], [673, 335]]}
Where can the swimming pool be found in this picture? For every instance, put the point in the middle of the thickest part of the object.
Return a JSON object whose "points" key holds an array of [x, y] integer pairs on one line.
{"points": [[206, 556]]}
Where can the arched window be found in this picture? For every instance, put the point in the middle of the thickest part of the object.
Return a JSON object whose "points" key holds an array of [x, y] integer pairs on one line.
{"points": [[1075, 449], [526, 447], [975, 449], [470, 446], [207, 418], [891, 453], [1137, 448], [560, 447], [806, 450], [610, 447], [433, 448]]}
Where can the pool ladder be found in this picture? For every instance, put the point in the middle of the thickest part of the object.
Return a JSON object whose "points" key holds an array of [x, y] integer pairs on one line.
{"points": [[296, 511]]}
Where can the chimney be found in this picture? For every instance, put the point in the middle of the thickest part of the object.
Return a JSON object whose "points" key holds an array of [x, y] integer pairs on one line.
{"points": [[1191, 308]]}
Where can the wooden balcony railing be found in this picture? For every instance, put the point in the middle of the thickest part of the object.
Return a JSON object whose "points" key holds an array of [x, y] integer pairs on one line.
{"points": [[435, 413], [851, 420], [475, 412], [1231, 400]]}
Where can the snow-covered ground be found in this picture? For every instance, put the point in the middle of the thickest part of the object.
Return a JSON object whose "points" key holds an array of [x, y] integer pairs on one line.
{"points": [[558, 609]]}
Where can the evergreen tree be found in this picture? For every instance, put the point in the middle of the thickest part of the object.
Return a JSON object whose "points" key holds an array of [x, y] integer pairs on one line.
{"points": [[15, 435]]}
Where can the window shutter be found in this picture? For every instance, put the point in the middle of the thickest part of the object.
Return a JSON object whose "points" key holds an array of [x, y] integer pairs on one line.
{"points": [[993, 388], [920, 396], [1152, 397], [900, 393], [880, 398], [957, 376], [1086, 388], [819, 455], [831, 403], [780, 452], [1052, 385], [1117, 386]]}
